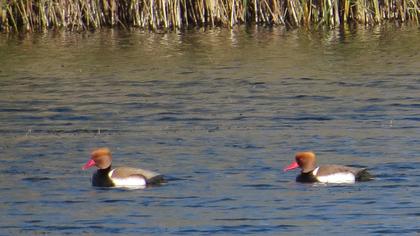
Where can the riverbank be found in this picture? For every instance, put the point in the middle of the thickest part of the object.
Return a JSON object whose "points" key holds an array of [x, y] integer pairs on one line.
{"points": [[33, 15]]}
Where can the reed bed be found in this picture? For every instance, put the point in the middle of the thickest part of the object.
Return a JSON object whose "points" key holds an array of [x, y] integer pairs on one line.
{"points": [[30, 15]]}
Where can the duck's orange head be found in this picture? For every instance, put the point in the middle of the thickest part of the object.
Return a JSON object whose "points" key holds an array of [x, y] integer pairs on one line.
{"points": [[305, 160], [100, 158]]}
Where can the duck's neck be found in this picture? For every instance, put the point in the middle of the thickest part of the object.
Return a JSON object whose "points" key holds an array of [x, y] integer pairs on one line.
{"points": [[104, 171]]}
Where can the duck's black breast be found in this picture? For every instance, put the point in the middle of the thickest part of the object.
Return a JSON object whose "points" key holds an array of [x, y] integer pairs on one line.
{"points": [[306, 178], [101, 178]]}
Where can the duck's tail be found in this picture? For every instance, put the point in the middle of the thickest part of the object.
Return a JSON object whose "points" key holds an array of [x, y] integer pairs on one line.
{"points": [[364, 175], [157, 180]]}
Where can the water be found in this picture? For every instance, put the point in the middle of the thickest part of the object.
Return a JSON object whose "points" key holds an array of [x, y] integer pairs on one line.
{"points": [[220, 113]]}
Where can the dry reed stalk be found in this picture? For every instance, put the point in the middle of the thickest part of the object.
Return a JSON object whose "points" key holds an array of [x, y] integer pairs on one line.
{"points": [[336, 13], [346, 10], [377, 14], [232, 13], [292, 9]]}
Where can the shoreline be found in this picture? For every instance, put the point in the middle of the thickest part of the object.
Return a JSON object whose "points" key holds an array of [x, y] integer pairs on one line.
{"points": [[167, 15]]}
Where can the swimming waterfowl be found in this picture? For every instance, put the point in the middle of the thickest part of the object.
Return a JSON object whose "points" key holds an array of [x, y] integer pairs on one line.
{"points": [[105, 176], [311, 173]]}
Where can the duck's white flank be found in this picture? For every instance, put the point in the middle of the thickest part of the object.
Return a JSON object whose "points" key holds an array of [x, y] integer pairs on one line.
{"points": [[337, 178], [127, 182]]}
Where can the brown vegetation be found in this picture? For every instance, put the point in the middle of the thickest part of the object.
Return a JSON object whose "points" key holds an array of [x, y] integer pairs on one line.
{"points": [[31, 15]]}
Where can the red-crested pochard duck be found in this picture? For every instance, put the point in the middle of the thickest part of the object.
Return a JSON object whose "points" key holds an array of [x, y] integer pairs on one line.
{"points": [[121, 176], [327, 173]]}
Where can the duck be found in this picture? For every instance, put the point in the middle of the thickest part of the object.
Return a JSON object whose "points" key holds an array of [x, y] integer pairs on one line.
{"points": [[311, 172], [128, 177]]}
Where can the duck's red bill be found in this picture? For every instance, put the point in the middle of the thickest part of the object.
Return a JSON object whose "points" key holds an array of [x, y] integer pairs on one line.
{"points": [[89, 164], [292, 166]]}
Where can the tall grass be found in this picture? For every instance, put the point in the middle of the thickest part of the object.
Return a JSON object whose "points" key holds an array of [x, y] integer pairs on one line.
{"points": [[175, 14]]}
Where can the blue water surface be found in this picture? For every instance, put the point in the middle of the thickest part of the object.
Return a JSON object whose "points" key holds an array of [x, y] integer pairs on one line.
{"points": [[220, 113]]}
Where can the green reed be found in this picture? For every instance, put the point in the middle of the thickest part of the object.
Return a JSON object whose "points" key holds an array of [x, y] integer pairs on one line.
{"points": [[30, 15]]}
